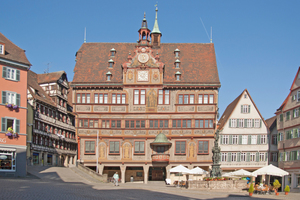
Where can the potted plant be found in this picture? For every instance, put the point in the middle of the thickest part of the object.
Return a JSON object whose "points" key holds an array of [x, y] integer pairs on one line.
{"points": [[287, 189], [15, 107], [251, 190], [276, 185]]}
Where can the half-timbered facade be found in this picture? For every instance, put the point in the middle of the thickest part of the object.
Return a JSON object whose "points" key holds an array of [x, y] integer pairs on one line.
{"points": [[152, 105]]}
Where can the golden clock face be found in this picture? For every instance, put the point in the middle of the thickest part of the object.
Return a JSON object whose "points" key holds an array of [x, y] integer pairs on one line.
{"points": [[143, 57], [142, 75]]}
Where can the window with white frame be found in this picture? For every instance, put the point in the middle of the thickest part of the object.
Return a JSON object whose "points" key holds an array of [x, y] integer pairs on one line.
{"points": [[11, 73], [205, 100], [10, 98], [1, 49], [244, 139], [233, 157], [245, 109], [256, 123], [234, 139], [82, 98], [296, 113], [225, 139], [261, 157], [88, 98], [211, 99], [243, 157], [253, 139], [252, 157], [224, 157], [273, 156], [118, 98], [249, 123], [263, 139], [8, 160], [241, 123], [233, 123], [10, 122]]}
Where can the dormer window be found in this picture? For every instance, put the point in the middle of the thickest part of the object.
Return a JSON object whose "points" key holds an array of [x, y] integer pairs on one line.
{"points": [[108, 76], [178, 76], [112, 52], [1, 49], [177, 51], [110, 63], [177, 63]]}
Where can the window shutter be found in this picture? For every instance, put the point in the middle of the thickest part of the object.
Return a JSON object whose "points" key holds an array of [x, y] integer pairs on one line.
{"points": [[239, 157], [258, 139], [241, 108], [245, 123], [266, 156], [237, 122], [3, 126], [257, 157], [4, 97], [278, 137], [248, 157], [249, 109], [18, 98], [229, 157], [221, 139], [4, 72], [229, 122], [240, 139], [18, 75], [17, 125], [249, 139], [230, 139], [252, 122], [260, 123]]}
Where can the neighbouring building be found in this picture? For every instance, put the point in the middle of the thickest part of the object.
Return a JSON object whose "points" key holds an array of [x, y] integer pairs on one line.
{"points": [[288, 126], [273, 149], [13, 108], [51, 137], [243, 136], [152, 105]]}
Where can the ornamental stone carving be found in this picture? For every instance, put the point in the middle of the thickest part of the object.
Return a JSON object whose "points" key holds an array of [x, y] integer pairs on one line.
{"points": [[117, 132], [138, 108], [105, 132], [186, 108], [205, 108], [163, 108], [118, 109], [83, 108], [100, 108]]}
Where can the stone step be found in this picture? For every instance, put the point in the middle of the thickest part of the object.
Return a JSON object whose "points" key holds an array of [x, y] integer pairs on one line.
{"points": [[84, 175]]}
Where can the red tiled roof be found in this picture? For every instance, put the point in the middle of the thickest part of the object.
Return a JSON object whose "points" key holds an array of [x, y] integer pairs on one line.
{"points": [[197, 63], [38, 92], [271, 122], [49, 77], [13, 52]]}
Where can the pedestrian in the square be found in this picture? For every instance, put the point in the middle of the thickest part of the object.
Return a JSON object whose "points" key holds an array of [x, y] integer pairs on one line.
{"points": [[116, 178]]}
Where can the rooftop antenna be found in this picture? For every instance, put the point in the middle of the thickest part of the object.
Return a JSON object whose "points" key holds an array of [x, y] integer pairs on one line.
{"points": [[211, 34], [46, 71], [205, 30], [84, 35]]}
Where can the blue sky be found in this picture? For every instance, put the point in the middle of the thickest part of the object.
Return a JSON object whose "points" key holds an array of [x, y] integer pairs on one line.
{"points": [[256, 42]]}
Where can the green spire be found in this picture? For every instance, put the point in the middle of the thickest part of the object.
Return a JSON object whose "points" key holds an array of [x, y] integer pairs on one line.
{"points": [[155, 27]]}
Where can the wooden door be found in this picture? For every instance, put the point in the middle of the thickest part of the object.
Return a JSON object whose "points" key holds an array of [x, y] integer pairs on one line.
{"points": [[157, 175]]}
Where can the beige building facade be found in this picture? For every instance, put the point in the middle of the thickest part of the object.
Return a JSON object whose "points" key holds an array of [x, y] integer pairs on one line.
{"points": [[143, 108]]}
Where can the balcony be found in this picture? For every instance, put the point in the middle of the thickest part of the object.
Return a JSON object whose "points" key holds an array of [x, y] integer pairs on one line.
{"points": [[39, 115], [160, 157], [38, 147]]}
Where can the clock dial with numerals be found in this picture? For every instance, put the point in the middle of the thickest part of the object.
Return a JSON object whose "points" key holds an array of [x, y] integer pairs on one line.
{"points": [[142, 75], [143, 57]]}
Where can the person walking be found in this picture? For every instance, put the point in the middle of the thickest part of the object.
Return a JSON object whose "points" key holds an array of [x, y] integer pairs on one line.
{"points": [[116, 179]]}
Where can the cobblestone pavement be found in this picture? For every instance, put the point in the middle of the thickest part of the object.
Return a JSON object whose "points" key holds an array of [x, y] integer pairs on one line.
{"points": [[63, 183]]}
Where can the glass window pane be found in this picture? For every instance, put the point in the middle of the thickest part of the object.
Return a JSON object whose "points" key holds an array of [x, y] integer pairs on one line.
{"points": [[191, 99], [113, 99], [132, 124], [137, 124], [151, 123], [196, 123], [189, 123], [161, 124], [167, 95], [118, 98], [180, 99], [184, 123], [156, 123], [142, 147], [96, 98], [142, 124], [186, 99], [123, 98], [166, 123], [100, 98], [174, 123], [178, 123]]}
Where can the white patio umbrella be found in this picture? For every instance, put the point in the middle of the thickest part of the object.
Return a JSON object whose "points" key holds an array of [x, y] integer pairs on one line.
{"points": [[180, 169], [229, 175], [242, 173], [197, 170], [270, 170]]}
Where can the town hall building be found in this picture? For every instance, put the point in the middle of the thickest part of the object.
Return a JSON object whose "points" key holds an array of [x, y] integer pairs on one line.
{"points": [[142, 108]]}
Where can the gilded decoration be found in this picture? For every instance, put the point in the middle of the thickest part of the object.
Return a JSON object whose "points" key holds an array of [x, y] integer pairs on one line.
{"points": [[126, 150], [151, 105], [130, 75], [192, 150], [155, 76], [102, 150]]}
